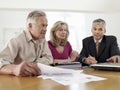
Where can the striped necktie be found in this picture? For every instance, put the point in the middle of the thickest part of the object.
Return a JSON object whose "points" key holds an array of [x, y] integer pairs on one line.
{"points": [[97, 46]]}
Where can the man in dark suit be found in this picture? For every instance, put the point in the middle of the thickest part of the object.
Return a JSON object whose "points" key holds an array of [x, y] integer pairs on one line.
{"points": [[99, 47]]}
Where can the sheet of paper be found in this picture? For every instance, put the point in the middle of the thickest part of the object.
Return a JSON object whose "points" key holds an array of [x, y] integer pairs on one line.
{"points": [[66, 76], [83, 78], [49, 70]]}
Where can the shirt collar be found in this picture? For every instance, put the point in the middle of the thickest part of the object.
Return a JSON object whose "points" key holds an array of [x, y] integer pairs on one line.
{"points": [[28, 35], [98, 40]]}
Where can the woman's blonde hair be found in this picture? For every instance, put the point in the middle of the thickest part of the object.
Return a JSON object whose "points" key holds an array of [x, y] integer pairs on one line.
{"points": [[53, 30]]}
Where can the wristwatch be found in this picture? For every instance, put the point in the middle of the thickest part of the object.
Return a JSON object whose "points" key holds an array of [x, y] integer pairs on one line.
{"points": [[83, 59]]}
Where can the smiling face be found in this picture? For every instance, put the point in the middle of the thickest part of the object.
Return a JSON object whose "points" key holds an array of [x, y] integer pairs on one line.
{"points": [[98, 30], [38, 29]]}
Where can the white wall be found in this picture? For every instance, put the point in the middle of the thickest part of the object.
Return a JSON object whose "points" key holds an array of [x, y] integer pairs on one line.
{"points": [[15, 20], [64, 5], [13, 16], [112, 23]]}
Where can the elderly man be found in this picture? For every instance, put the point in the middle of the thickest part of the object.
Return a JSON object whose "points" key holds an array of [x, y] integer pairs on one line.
{"points": [[21, 54]]}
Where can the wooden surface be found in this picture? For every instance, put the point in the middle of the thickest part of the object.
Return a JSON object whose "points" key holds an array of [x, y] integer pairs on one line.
{"points": [[8, 82]]}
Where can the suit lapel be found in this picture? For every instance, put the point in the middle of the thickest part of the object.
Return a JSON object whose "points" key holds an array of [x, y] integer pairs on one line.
{"points": [[92, 48], [102, 47]]}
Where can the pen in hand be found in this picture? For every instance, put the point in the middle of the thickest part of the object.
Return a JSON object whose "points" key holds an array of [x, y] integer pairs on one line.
{"points": [[91, 60]]}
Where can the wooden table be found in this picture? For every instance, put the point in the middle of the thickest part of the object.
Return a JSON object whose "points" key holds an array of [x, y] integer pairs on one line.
{"points": [[8, 82]]}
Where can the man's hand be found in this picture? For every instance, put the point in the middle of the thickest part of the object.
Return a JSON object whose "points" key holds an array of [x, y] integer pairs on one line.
{"points": [[115, 59], [26, 69], [90, 60]]}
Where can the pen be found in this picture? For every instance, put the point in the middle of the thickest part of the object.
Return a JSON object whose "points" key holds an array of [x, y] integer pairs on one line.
{"points": [[89, 55], [92, 58]]}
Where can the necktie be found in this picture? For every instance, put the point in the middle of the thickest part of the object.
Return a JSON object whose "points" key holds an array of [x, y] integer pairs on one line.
{"points": [[97, 46]]}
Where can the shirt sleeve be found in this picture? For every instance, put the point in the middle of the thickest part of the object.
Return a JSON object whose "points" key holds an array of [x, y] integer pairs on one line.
{"points": [[8, 54]]}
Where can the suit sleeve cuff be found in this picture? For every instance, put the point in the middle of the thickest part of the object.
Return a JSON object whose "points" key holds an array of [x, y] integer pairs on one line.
{"points": [[83, 60]]}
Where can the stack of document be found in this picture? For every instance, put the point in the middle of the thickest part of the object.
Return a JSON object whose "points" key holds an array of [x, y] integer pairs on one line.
{"points": [[70, 65], [66, 76], [50, 70]]}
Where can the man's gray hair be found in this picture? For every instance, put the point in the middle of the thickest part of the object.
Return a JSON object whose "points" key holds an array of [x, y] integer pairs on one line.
{"points": [[101, 21], [34, 15]]}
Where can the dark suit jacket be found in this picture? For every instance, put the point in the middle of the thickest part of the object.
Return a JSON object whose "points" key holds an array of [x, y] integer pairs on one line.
{"points": [[108, 47]]}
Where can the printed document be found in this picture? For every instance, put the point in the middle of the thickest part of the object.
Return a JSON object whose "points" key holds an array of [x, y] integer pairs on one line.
{"points": [[66, 76]]}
